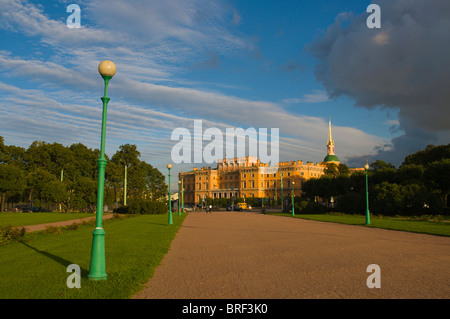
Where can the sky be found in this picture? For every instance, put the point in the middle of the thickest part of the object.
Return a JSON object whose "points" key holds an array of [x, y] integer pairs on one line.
{"points": [[286, 65]]}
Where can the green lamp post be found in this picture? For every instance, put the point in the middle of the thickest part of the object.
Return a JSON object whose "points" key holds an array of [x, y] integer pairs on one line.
{"points": [[282, 198], [107, 69], [182, 195], [125, 186], [366, 168], [293, 213], [169, 166], [179, 198]]}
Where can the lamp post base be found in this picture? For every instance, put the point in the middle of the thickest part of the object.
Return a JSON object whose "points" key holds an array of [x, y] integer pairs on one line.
{"points": [[367, 218], [97, 268]]}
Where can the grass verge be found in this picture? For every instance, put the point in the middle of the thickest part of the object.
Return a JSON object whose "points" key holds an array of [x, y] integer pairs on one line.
{"points": [[37, 267], [416, 226], [25, 219]]}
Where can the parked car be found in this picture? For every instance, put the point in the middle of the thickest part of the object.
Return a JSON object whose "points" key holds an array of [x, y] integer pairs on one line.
{"points": [[234, 208], [243, 206], [188, 209], [39, 209]]}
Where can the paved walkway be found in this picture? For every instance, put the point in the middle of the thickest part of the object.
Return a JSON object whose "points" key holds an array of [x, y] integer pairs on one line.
{"points": [[248, 255], [32, 228]]}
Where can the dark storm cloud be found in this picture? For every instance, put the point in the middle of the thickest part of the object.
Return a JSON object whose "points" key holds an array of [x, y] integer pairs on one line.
{"points": [[404, 65]]}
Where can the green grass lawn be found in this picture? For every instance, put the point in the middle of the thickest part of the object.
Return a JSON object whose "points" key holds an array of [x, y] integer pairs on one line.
{"points": [[416, 226], [37, 268], [25, 219]]}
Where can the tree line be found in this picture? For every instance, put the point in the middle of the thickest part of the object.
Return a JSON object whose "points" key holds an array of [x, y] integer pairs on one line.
{"points": [[49, 175], [420, 185]]}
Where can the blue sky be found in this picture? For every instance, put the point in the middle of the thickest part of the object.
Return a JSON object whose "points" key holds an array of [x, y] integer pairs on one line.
{"points": [[230, 63]]}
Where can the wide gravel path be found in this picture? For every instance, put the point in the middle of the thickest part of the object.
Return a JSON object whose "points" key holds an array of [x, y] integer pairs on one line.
{"points": [[247, 255]]}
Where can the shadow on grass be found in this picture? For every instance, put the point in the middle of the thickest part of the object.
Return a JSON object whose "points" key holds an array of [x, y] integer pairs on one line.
{"points": [[58, 259]]}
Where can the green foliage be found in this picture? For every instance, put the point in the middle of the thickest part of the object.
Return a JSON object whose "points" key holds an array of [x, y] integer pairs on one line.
{"points": [[48, 174], [9, 233], [11, 179], [419, 186], [429, 155], [143, 207], [53, 230]]}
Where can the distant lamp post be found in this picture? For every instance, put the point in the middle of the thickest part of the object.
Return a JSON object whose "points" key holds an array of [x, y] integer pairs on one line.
{"points": [[107, 69], [366, 168], [293, 213], [169, 166], [179, 198], [263, 194], [125, 186], [282, 198], [182, 195]]}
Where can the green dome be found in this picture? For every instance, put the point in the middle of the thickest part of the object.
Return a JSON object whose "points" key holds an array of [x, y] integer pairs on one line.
{"points": [[331, 158]]}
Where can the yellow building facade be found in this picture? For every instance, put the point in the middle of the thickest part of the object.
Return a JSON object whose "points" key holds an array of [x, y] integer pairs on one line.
{"points": [[248, 177]]}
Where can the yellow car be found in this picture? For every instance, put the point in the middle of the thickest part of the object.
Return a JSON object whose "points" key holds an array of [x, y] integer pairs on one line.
{"points": [[243, 206]]}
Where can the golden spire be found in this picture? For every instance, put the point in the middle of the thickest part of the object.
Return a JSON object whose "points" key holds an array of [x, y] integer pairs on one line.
{"points": [[330, 138]]}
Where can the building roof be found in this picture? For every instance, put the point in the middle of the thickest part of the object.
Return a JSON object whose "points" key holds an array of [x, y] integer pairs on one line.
{"points": [[331, 158]]}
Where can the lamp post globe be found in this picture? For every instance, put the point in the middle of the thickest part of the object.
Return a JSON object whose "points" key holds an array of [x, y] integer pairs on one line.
{"points": [[107, 69]]}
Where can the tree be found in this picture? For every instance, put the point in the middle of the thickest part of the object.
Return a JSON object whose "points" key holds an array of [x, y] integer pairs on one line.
{"points": [[37, 184], [11, 179], [84, 161], [429, 155], [331, 170], [437, 176], [155, 182], [379, 164], [127, 156], [82, 194], [388, 199], [53, 192], [37, 156], [411, 174]]}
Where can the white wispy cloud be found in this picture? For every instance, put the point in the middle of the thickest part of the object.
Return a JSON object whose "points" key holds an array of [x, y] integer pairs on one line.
{"points": [[150, 42], [317, 96]]}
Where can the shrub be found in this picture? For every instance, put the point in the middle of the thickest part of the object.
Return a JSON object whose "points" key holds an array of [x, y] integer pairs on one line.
{"points": [[73, 226], [314, 207], [142, 207], [351, 203], [52, 230], [10, 232]]}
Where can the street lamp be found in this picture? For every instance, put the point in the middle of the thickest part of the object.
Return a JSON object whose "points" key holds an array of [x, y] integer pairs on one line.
{"points": [[125, 186], [293, 198], [182, 195], [107, 69], [179, 198], [282, 198], [169, 166], [366, 168]]}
